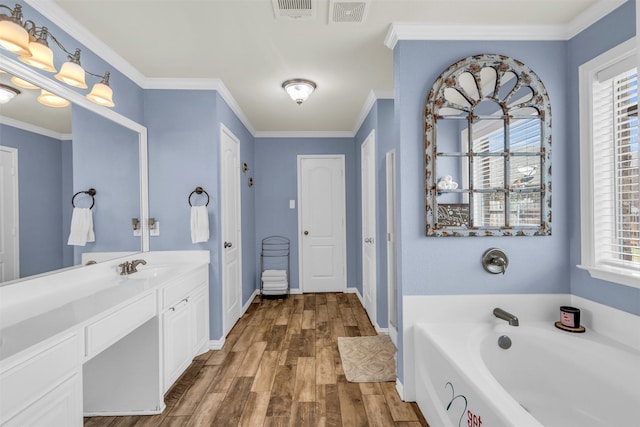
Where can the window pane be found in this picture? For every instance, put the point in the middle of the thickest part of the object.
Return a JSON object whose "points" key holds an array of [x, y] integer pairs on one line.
{"points": [[488, 210], [524, 209]]}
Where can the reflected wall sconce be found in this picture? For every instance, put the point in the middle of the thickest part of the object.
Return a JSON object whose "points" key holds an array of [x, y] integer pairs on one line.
{"points": [[135, 222], [51, 100], [245, 167], [31, 44], [299, 89], [250, 182], [152, 223], [7, 93]]}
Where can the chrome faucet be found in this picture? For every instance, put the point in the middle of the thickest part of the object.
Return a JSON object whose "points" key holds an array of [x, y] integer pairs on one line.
{"points": [[129, 267], [134, 264], [505, 315]]}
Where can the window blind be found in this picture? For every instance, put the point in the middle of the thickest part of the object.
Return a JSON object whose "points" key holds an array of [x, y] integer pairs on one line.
{"points": [[616, 180]]}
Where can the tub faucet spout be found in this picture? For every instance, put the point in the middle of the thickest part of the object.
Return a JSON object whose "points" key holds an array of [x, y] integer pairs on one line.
{"points": [[505, 315]]}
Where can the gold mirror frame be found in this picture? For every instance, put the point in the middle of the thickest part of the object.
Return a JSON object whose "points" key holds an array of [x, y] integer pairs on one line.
{"points": [[517, 96]]}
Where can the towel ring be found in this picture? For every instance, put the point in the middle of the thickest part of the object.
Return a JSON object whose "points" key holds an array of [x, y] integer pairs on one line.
{"points": [[91, 192], [199, 190]]}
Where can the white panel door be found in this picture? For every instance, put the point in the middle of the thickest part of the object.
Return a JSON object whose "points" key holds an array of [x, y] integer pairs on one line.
{"points": [[231, 226], [392, 287], [9, 250], [321, 223], [369, 238]]}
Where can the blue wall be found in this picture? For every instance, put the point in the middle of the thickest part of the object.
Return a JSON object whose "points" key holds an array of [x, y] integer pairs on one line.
{"points": [[380, 118], [105, 157], [276, 177], [184, 152], [42, 194], [452, 265], [592, 42]]}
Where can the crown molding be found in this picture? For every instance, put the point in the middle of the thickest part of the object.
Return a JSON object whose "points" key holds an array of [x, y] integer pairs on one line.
{"points": [[427, 31], [592, 15], [421, 31], [303, 134], [34, 129], [373, 96]]}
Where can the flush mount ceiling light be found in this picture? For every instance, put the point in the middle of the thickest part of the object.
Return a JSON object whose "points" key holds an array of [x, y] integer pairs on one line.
{"points": [[299, 89], [30, 43], [7, 93]]}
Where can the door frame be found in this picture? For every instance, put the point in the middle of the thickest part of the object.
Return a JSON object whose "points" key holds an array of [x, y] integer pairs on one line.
{"points": [[343, 235], [13, 152], [227, 328], [373, 310], [392, 259]]}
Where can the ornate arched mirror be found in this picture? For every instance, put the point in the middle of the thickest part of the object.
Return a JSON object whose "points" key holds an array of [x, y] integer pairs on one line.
{"points": [[488, 150]]}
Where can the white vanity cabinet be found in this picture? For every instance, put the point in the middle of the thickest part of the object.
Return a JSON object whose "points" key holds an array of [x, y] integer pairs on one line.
{"points": [[45, 385], [103, 346], [185, 323]]}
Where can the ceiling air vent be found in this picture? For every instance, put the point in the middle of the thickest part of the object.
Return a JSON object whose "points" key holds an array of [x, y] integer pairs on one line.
{"points": [[348, 11], [294, 9]]}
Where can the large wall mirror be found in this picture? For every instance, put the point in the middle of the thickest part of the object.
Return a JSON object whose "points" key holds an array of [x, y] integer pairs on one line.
{"points": [[488, 150], [59, 152]]}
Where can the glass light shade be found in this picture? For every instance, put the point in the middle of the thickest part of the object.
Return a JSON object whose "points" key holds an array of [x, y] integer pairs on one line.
{"points": [[41, 57], [72, 74], [50, 100], [101, 94], [23, 83], [7, 93], [299, 89], [14, 37]]}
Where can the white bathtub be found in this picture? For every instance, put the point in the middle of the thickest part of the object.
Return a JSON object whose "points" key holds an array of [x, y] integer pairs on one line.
{"points": [[547, 377]]}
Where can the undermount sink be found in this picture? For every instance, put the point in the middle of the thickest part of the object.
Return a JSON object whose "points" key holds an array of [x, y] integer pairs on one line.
{"points": [[150, 272]]}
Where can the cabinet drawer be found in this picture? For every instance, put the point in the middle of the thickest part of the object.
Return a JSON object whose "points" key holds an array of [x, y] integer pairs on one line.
{"points": [[182, 288], [31, 379], [104, 332]]}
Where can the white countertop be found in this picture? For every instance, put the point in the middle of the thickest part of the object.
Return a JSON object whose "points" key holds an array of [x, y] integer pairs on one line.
{"points": [[78, 300]]}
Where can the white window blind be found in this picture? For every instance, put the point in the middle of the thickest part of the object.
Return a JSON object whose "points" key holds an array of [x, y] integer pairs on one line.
{"points": [[616, 180]]}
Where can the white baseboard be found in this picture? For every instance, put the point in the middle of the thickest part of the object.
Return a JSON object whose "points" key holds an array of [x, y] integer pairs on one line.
{"points": [[357, 292], [400, 389], [216, 344], [246, 305], [295, 291]]}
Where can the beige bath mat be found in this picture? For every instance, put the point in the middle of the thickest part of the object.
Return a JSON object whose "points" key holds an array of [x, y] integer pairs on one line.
{"points": [[368, 359]]}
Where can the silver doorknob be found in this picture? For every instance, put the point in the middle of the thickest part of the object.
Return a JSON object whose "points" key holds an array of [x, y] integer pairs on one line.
{"points": [[368, 240], [306, 232], [227, 245]]}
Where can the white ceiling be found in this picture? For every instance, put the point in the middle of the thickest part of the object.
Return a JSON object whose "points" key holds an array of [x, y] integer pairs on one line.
{"points": [[241, 43]]}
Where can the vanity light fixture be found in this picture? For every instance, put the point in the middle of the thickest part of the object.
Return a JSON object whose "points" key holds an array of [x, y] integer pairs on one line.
{"points": [[31, 44], [101, 93], [23, 83], [7, 93], [51, 100], [299, 89]]}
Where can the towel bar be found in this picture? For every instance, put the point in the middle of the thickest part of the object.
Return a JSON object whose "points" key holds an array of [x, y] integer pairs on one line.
{"points": [[198, 190], [91, 192]]}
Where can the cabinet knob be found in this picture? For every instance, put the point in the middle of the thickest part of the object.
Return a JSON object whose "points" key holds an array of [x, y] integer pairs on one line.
{"points": [[306, 232]]}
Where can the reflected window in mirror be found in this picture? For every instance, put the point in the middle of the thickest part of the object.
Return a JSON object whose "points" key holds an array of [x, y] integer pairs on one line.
{"points": [[488, 150]]}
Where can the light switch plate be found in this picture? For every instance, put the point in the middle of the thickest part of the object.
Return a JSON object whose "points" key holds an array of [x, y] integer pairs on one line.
{"points": [[292, 204]]}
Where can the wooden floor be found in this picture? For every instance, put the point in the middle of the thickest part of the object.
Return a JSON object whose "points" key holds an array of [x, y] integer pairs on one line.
{"points": [[280, 366]]}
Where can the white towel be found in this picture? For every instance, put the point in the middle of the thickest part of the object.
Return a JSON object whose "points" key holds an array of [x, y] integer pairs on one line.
{"points": [[81, 230], [199, 224], [274, 273]]}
